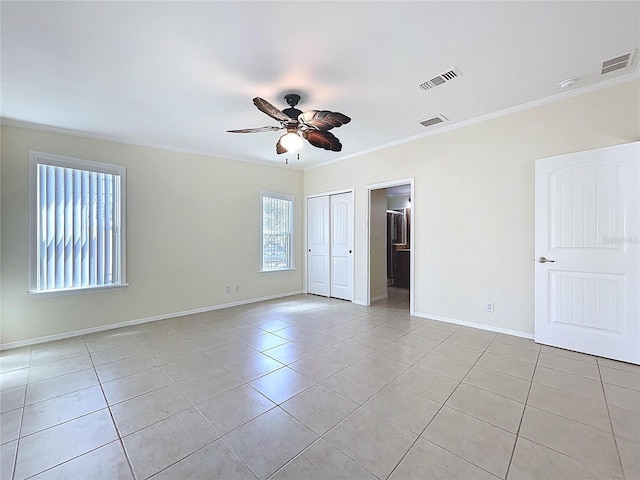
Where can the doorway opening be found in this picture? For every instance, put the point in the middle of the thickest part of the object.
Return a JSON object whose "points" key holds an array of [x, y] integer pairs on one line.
{"points": [[391, 243]]}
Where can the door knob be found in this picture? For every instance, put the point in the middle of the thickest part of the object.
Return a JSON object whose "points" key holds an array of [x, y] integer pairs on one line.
{"points": [[545, 260], [349, 251], [309, 249]]}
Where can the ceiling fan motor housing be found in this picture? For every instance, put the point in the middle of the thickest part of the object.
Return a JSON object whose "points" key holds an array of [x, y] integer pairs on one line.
{"points": [[292, 100], [292, 113]]}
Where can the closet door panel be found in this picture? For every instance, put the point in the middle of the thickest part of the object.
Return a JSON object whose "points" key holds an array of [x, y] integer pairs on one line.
{"points": [[342, 225], [318, 267]]}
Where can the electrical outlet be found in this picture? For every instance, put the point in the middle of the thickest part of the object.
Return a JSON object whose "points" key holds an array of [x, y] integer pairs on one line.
{"points": [[490, 307], [228, 288], [237, 288]]}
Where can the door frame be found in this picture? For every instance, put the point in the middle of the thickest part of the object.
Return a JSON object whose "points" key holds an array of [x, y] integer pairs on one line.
{"points": [[412, 269], [351, 190]]}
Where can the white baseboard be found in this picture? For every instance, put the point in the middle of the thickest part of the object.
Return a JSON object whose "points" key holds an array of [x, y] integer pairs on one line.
{"points": [[129, 323], [480, 326], [375, 299], [379, 297]]}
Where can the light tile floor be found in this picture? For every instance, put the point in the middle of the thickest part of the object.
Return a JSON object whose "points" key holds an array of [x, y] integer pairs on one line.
{"points": [[311, 388]]}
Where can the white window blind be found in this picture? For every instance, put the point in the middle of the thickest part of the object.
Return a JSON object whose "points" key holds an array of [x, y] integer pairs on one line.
{"points": [[277, 228], [78, 224]]}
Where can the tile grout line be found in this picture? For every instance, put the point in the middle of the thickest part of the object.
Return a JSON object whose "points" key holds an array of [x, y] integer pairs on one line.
{"points": [[195, 406], [113, 420], [434, 416], [570, 419], [24, 400], [70, 420], [440, 409], [526, 402], [613, 432], [604, 472], [447, 399], [360, 405], [172, 382]]}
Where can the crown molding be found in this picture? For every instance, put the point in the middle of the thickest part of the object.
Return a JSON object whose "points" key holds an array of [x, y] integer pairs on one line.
{"points": [[491, 116], [10, 122]]}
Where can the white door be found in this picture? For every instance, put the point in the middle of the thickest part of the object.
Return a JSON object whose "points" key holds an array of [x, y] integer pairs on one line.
{"points": [[318, 273], [587, 288], [342, 246]]}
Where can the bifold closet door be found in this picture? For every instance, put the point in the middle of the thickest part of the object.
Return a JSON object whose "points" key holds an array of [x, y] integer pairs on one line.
{"points": [[330, 227]]}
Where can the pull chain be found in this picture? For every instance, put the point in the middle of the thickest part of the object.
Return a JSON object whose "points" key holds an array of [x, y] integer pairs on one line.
{"points": [[286, 160]]}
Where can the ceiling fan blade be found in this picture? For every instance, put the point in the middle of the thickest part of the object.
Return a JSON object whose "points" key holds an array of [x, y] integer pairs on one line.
{"points": [[270, 110], [320, 139], [323, 120], [256, 130], [280, 148]]}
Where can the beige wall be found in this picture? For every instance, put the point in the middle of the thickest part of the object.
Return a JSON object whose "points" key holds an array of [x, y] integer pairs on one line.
{"points": [[473, 207], [192, 228], [378, 243]]}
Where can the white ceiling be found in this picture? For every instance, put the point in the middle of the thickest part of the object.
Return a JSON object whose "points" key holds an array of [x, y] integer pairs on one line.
{"points": [[178, 74]]}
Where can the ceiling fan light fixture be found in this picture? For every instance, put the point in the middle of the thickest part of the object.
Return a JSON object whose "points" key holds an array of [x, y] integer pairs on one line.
{"points": [[291, 141]]}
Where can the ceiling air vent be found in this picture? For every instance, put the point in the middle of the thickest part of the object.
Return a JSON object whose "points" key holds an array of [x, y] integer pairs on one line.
{"points": [[623, 61], [433, 120], [440, 79]]}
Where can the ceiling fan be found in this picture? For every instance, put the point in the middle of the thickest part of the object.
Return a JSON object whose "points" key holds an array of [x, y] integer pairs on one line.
{"points": [[312, 125]]}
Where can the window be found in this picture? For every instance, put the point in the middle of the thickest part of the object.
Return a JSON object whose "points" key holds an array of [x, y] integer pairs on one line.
{"points": [[77, 225], [277, 232]]}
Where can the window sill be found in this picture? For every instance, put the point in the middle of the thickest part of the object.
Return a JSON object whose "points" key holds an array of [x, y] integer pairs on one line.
{"points": [[77, 290], [278, 270]]}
